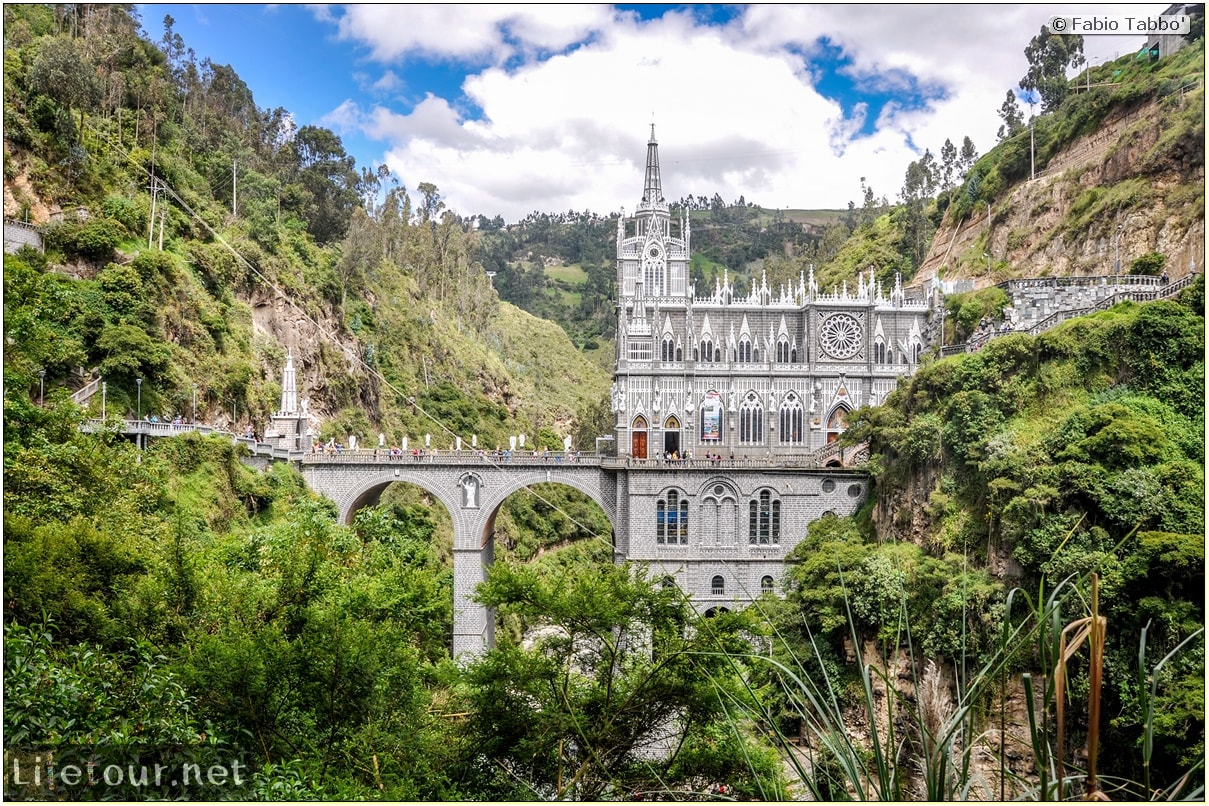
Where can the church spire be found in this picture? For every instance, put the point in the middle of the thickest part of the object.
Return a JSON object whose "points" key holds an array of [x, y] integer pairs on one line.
{"points": [[289, 390], [652, 193]]}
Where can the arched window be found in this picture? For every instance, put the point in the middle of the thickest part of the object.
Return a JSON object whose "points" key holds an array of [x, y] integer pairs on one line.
{"points": [[783, 350], [653, 271], [745, 352], [667, 350], [792, 420], [679, 354], [717, 585], [766, 584], [707, 349], [751, 420], [879, 351], [764, 520], [916, 351], [671, 519]]}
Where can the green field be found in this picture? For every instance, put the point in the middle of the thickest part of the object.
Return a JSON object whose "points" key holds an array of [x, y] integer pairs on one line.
{"points": [[571, 273]]}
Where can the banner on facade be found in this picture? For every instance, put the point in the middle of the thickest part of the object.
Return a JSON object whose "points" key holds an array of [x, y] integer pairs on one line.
{"points": [[711, 417]]}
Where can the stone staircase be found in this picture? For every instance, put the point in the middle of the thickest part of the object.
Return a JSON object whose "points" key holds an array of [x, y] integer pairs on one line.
{"points": [[1041, 304]]}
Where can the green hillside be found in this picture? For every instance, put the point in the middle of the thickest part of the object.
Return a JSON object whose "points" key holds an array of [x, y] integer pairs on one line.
{"points": [[173, 606]]}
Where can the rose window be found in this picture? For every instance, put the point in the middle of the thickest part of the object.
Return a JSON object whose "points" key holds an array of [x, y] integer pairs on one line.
{"points": [[840, 335]]}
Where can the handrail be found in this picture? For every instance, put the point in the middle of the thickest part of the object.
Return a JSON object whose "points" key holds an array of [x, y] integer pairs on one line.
{"points": [[1154, 292], [85, 392], [463, 458]]}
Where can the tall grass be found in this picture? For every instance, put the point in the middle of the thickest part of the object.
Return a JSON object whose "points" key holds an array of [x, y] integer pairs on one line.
{"points": [[885, 744]]}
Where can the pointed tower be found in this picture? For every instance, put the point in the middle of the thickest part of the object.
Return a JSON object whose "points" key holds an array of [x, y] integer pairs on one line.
{"points": [[652, 192], [652, 291], [290, 428], [652, 250], [289, 389]]}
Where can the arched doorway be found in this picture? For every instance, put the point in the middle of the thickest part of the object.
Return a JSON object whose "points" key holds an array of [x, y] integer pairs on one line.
{"points": [[837, 422], [671, 435], [638, 438]]}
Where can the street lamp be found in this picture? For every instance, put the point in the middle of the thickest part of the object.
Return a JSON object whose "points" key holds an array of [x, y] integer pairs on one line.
{"points": [[195, 404], [41, 386], [987, 255], [139, 383]]}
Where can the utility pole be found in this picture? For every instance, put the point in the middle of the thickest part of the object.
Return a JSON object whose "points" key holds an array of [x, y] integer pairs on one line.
{"points": [[151, 228], [1032, 151], [1120, 229], [234, 204], [1032, 141]]}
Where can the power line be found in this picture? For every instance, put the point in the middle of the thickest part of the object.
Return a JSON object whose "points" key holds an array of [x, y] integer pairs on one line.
{"points": [[166, 188]]}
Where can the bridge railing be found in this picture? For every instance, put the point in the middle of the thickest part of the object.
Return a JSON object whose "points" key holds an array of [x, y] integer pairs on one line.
{"points": [[362, 456], [446, 457], [158, 429]]}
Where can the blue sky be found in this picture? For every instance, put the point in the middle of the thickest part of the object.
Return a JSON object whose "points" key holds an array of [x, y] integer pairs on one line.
{"points": [[512, 108]]}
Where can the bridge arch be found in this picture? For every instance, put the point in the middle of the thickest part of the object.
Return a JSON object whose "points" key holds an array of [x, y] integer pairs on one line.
{"points": [[472, 489], [367, 491], [588, 484]]}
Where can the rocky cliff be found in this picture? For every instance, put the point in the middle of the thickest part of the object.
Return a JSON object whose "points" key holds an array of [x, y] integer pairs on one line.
{"points": [[1136, 183]]}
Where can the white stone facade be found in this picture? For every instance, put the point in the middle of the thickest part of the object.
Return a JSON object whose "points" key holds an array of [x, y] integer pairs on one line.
{"points": [[771, 373]]}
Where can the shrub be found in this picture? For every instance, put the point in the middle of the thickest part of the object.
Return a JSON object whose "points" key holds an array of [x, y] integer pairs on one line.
{"points": [[1149, 263], [92, 240]]}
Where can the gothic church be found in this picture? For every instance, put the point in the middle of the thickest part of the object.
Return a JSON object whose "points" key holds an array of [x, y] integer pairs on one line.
{"points": [[770, 373]]}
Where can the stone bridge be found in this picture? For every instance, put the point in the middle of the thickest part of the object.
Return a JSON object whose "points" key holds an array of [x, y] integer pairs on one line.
{"points": [[722, 560], [471, 487]]}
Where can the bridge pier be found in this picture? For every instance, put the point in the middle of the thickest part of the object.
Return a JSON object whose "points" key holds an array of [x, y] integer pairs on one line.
{"points": [[473, 624]]}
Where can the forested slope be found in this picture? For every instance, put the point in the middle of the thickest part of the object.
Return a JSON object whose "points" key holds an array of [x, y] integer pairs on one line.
{"points": [[174, 606]]}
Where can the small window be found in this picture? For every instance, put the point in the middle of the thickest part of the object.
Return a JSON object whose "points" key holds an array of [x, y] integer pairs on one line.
{"points": [[766, 584], [717, 586]]}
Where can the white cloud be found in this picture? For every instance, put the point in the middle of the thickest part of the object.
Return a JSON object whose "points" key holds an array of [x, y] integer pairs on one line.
{"points": [[484, 33], [735, 107]]}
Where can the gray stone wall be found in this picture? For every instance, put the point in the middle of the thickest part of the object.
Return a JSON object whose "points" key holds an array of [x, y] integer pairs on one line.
{"points": [[17, 234], [473, 490]]}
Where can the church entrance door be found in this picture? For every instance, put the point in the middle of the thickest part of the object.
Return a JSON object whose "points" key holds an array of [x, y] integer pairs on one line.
{"points": [[671, 436], [638, 438]]}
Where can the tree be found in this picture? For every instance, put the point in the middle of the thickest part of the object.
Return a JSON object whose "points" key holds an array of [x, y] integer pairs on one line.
{"points": [[60, 71], [1049, 55], [918, 189], [1012, 116], [869, 209], [622, 666], [968, 156], [948, 164], [325, 190]]}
